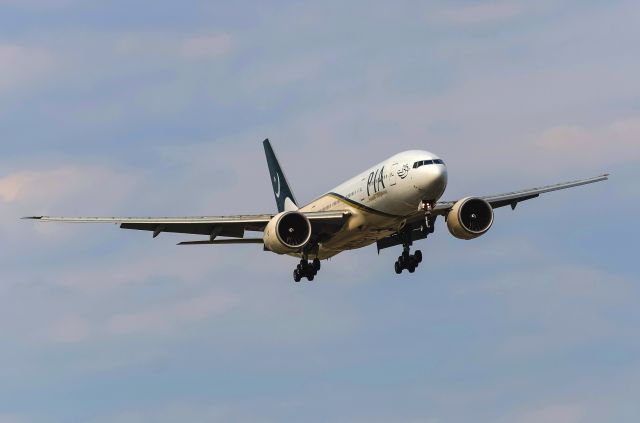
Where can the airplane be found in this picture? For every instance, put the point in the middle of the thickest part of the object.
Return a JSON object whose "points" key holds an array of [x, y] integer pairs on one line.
{"points": [[393, 203]]}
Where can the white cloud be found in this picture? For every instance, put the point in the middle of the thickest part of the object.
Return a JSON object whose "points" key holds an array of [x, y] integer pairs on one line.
{"points": [[185, 46], [562, 413], [39, 4], [228, 411], [13, 418], [481, 12], [20, 65], [163, 318], [207, 46], [65, 190], [487, 12], [138, 291], [615, 142], [12, 186], [164, 260], [289, 71], [577, 312], [69, 329], [60, 184]]}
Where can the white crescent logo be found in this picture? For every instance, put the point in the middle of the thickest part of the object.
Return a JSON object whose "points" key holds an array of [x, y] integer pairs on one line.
{"points": [[278, 190]]}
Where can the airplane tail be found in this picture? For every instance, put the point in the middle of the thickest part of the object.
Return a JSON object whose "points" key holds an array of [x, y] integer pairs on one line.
{"points": [[284, 197]]}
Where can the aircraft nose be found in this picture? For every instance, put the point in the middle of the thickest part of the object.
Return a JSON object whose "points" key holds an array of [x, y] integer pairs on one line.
{"points": [[433, 181], [440, 178]]}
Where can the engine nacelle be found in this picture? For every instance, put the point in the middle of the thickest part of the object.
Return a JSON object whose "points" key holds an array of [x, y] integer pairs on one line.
{"points": [[287, 232], [469, 218]]}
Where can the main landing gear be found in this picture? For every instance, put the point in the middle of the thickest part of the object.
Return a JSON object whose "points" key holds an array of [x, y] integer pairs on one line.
{"points": [[408, 261], [306, 269]]}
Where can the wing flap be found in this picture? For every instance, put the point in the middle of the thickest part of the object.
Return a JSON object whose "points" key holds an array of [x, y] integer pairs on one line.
{"points": [[229, 229], [225, 242]]}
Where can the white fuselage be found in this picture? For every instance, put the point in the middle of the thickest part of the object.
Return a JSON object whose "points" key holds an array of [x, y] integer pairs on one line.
{"points": [[381, 198]]}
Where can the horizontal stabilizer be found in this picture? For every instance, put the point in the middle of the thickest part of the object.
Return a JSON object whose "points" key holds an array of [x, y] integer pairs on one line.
{"points": [[225, 241]]}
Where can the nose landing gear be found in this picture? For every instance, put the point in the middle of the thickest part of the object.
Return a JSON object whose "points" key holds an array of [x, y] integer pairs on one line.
{"points": [[306, 269], [408, 261]]}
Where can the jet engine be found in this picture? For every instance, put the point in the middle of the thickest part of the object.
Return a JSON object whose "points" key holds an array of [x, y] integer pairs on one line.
{"points": [[287, 232], [469, 218]]}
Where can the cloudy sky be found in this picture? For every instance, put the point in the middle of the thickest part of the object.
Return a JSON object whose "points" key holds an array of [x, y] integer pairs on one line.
{"points": [[158, 108]]}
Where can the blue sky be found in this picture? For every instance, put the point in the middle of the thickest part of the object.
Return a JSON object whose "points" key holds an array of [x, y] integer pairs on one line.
{"points": [[159, 108]]}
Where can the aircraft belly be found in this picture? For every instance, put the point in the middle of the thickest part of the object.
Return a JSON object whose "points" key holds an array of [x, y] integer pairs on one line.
{"points": [[363, 228]]}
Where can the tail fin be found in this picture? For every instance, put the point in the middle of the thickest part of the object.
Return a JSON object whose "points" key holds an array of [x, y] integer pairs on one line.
{"points": [[284, 197]]}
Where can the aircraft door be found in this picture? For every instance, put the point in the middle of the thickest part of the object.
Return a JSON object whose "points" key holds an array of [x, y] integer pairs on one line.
{"points": [[392, 175]]}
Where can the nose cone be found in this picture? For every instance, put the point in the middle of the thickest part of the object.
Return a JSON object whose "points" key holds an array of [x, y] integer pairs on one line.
{"points": [[431, 181]]}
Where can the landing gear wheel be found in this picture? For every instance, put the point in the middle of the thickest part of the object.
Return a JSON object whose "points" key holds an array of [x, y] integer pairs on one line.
{"points": [[306, 269], [407, 260]]}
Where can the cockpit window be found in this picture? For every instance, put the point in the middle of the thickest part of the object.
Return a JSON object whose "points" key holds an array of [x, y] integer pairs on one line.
{"points": [[438, 161], [424, 163]]}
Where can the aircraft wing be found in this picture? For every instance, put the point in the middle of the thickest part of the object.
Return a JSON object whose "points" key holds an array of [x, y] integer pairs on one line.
{"points": [[212, 226], [417, 220], [513, 198]]}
